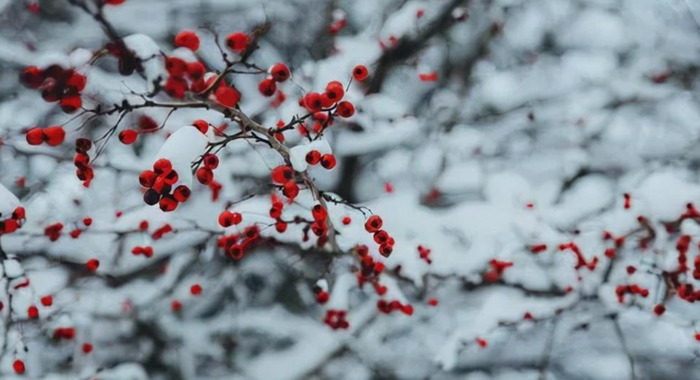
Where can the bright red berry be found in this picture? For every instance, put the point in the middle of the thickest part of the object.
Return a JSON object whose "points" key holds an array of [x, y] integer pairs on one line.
{"points": [[267, 87], [313, 157], [54, 135], [237, 41], [187, 39], [46, 301], [35, 136], [196, 289], [345, 109], [204, 175], [328, 161], [128, 136], [360, 73], [87, 348], [228, 218], [33, 312], [92, 265], [18, 367], [373, 224], [280, 72], [282, 174]]}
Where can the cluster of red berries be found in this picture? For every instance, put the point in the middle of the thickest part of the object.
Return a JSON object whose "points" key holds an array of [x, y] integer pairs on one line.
{"points": [[497, 269], [159, 182], [315, 157], [184, 76], [14, 222], [276, 213], [84, 170], [278, 73], [335, 319], [159, 232], [64, 333], [205, 174], [52, 136], [387, 307], [235, 245], [581, 261], [284, 175], [53, 231], [319, 226], [332, 96], [682, 246], [369, 269], [143, 250], [56, 84], [381, 237], [424, 254], [187, 39], [687, 292], [622, 290]]}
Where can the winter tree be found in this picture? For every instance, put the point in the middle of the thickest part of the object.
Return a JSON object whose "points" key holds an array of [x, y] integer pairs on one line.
{"points": [[349, 190]]}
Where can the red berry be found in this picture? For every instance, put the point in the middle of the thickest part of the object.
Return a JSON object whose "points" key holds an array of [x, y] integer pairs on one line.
{"points": [[345, 109], [328, 161], [162, 166], [33, 312], [281, 226], [187, 39], [92, 265], [35, 136], [128, 136], [334, 91], [71, 103], [76, 83], [280, 72], [87, 221], [18, 367], [313, 157], [346, 220], [432, 302], [319, 212], [167, 203], [31, 77], [360, 73], [54, 135], [659, 309], [267, 87], [87, 348], [313, 102], [237, 41], [46, 301], [196, 289], [176, 305], [196, 71], [282, 174], [228, 218], [374, 223], [210, 161], [204, 175], [182, 193], [227, 96], [290, 190], [202, 125], [147, 178]]}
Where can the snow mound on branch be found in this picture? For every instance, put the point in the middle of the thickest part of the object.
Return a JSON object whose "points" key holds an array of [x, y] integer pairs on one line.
{"points": [[149, 53], [182, 148]]}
